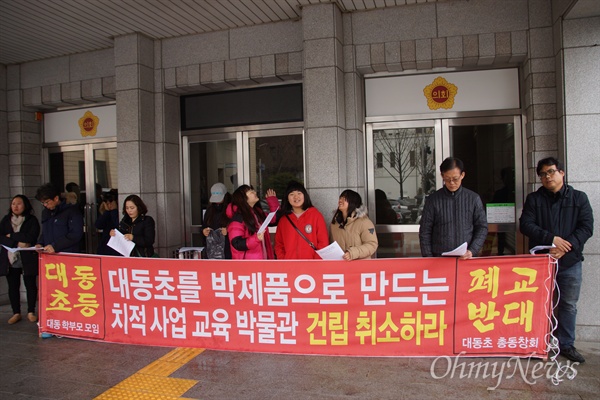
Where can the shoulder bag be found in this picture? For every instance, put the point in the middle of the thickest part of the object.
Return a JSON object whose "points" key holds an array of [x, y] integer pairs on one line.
{"points": [[300, 233]]}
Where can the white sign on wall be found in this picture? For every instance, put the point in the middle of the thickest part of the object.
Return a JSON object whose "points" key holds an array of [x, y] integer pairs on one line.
{"points": [[81, 124], [496, 89]]}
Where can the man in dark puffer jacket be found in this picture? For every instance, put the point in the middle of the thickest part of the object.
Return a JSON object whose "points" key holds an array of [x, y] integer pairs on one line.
{"points": [[452, 216], [62, 223], [556, 214]]}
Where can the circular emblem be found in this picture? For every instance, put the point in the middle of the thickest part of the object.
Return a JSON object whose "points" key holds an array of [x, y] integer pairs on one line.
{"points": [[308, 228], [440, 94], [88, 124]]}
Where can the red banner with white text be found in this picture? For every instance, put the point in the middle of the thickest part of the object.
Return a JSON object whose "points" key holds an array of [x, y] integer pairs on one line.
{"points": [[491, 306]]}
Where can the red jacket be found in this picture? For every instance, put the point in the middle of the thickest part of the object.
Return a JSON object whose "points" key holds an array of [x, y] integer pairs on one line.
{"points": [[289, 245], [250, 248]]}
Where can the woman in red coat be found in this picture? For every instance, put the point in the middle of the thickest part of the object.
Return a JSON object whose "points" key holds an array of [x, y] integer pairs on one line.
{"points": [[301, 229]]}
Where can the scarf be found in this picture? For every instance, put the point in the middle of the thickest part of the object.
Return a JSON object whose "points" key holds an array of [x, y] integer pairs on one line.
{"points": [[16, 221]]}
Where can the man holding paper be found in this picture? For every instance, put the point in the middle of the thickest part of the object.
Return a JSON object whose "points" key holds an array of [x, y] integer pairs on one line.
{"points": [[556, 214], [452, 216]]}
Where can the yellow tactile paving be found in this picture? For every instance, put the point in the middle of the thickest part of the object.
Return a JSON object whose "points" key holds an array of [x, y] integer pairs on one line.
{"points": [[153, 382]]}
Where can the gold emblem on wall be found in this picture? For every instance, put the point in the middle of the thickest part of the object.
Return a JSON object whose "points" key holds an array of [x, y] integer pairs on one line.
{"points": [[440, 94], [88, 124]]}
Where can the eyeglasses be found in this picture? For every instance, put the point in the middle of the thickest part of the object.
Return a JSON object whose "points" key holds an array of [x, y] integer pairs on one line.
{"points": [[452, 180], [46, 202], [547, 174]]}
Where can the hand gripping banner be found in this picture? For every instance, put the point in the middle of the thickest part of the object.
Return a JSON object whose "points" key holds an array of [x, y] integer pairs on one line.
{"points": [[491, 306]]}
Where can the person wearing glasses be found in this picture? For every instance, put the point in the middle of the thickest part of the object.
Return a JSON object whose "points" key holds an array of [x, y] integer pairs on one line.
{"points": [[452, 216], [556, 214], [62, 223]]}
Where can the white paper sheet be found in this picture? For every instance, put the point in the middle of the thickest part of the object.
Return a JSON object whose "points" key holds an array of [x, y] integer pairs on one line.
{"points": [[540, 247], [15, 249], [457, 252], [120, 244], [331, 252], [265, 224]]}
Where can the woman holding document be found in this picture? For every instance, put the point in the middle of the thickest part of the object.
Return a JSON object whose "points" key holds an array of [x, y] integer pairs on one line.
{"points": [[352, 229], [247, 242], [20, 228], [137, 227]]}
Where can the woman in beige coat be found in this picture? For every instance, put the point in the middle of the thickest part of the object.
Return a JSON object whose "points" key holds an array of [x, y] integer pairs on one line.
{"points": [[352, 229]]}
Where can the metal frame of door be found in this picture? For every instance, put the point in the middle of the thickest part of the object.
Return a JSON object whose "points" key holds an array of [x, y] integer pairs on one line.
{"points": [[242, 136], [442, 125], [90, 209]]}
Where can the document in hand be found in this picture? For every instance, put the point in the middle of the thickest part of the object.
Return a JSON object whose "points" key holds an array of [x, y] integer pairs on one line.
{"points": [[268, 220], [15, 249], [457, 252], [535, 249], [331, 252], [120, 244]]}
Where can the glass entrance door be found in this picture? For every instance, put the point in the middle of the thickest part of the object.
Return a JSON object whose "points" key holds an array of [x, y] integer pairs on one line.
{"points": [[489, 148], [265, 157], [403, 161], [87, 170]]}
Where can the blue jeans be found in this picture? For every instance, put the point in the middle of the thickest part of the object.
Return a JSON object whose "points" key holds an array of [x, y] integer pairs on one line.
{"points": [[569, 284]]}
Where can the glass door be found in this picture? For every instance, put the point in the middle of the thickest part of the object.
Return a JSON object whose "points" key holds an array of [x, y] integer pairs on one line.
{"points": [[401, 164], [86, 170], [403, 161], [264, 157], [490, 149]]}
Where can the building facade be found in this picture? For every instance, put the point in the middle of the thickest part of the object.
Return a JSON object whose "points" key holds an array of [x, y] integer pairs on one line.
{"points": [[336, 59]]}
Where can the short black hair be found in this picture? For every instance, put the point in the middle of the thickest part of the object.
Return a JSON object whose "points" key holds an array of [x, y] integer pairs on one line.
{"points": [[451, 163], [548, 161], [294, 186], [47, 192], [135, 199]]}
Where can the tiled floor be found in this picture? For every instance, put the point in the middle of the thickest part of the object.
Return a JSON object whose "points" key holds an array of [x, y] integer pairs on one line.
{"points": [[60, 368]]}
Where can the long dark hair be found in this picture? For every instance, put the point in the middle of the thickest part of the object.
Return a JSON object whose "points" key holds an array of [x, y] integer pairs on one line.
{"points": [[239, 200], [28, 208], [294, 186], [218, 212], [135, 199], [354, 201]]}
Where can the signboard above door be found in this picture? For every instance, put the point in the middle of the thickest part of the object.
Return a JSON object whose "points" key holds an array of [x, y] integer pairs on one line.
{"points": [[496, 89], [81, 124]]}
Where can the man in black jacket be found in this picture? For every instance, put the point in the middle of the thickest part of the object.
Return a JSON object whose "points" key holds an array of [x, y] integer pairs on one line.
{"points": [[556, 214], [452, 216], [62, 223]]}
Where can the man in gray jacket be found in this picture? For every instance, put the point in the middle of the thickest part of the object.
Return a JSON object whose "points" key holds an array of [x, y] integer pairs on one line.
{"points": [[452, 216]]}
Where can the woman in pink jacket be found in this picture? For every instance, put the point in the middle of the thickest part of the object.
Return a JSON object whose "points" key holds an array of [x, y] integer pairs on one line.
{"points": [[246, 217]]}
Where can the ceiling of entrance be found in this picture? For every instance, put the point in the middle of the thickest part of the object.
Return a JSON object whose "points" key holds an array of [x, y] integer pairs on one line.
{"points": [[37, 29]]}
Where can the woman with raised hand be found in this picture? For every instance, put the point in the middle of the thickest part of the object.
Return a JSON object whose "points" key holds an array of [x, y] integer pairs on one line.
{"points": [[352, 229], [20, 228], [246, 218], [301, 229]]}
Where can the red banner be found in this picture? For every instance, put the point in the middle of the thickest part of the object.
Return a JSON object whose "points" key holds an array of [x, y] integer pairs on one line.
{"points": [[494, 306]]}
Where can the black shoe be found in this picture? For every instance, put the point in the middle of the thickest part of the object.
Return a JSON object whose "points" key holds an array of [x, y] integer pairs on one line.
{"points": [[572, 354]]}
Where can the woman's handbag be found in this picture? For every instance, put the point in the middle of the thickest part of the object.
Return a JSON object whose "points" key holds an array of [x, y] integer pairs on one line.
{"points": [[300, 233], [215, 244]]}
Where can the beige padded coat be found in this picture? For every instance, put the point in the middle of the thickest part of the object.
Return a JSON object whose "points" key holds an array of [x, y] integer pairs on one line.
{"points": [[358, 236]]}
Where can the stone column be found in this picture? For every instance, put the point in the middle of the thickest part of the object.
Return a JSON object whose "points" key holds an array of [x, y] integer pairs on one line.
{"points": [[331, 151], [23, 134], [136, 135]]}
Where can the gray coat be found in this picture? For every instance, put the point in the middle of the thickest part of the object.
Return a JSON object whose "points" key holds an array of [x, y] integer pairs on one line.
{"points": [[451, 218]]}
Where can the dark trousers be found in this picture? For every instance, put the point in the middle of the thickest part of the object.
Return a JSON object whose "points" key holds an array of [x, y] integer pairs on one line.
{"points": [[14, 290]]}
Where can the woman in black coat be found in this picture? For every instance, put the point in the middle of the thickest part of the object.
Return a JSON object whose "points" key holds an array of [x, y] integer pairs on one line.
{"points": [[137, 226], [20, 228]]}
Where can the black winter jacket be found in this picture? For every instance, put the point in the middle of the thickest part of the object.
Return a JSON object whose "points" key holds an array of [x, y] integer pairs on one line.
{"points": [[143, 231], [451, 218], [567, 214], [62, 228], [29, 232]]}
